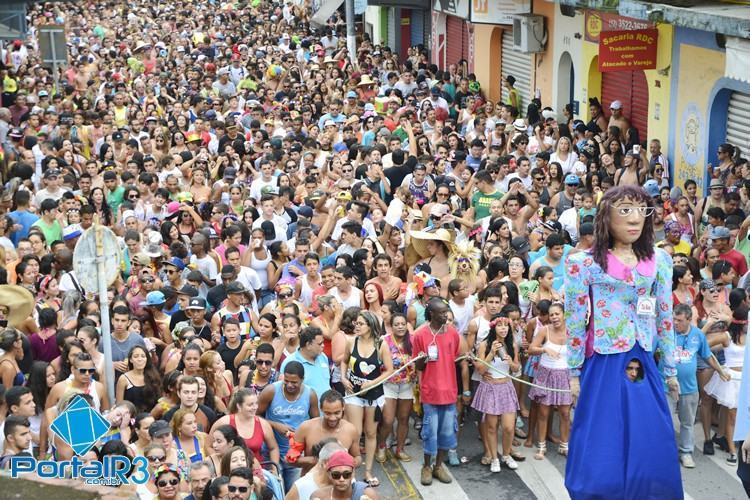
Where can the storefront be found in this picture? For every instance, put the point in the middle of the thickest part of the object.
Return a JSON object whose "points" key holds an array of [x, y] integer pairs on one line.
{"points": [[403, 23], [626, 49], [451, 29], [631, 89]]}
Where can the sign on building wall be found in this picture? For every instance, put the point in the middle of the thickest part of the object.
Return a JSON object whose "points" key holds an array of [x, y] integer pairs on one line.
{"points": [[627, 50], [458, 8], [498, 11], [597, 21]]}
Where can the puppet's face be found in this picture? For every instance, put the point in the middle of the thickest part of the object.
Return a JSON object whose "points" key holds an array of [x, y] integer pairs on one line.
{"points": [[627, 220]]}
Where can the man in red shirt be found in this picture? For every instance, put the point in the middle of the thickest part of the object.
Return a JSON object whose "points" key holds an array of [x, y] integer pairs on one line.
{"points": [[719, 237], [441, 344]]}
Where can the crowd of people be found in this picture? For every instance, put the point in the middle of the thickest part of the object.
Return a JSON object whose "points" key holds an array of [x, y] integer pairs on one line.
{"points": [[322, 250]]}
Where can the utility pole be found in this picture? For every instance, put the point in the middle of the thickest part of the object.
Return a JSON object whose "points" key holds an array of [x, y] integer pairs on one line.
{"points": [[351, 33]]}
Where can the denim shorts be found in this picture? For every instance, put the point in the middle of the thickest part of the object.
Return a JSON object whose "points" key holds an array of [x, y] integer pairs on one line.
{"points": [[439, 428]]}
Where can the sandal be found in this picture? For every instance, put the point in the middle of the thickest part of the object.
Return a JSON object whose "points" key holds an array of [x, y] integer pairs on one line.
{"points": [[486, 460], [517, 456], [372, 481], [541, 450], [563, 449]]}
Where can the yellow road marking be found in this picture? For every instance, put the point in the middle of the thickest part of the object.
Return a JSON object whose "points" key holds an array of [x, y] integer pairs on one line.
{"points": [[402, 485]]}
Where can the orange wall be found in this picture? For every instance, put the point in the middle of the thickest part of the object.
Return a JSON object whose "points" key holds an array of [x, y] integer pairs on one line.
{"points": [[487, 57], [545, 60]]}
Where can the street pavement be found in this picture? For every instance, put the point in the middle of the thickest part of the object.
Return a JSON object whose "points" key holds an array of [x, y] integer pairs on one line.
{"points": [[711, 479]]}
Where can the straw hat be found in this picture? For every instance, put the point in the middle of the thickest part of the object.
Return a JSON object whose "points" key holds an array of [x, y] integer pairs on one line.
{"points": [[418, 250], [365, 80], [141, 45], [19, 301]]}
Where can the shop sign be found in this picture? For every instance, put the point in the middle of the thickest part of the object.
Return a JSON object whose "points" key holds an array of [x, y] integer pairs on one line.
{"points": [[458, 8], [498, 11], [627, 50], [597, 21]]}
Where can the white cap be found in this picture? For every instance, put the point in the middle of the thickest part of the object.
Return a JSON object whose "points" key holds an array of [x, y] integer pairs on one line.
{"points": [[329, 123], [615, 105]]}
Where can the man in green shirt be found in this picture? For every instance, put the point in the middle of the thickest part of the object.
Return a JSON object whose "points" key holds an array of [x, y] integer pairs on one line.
{"points": [[115, 192], [48, 223], [486, 193]]}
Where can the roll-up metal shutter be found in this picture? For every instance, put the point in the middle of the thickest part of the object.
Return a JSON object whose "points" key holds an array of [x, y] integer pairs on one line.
{"points": [[630, 88], [393, 25], [520, 66], [639, 104], [738, 122], [417, 27], [454, 40]]}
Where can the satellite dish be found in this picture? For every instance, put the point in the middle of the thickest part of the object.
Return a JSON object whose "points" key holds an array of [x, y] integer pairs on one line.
{"points": [[85, 258]]}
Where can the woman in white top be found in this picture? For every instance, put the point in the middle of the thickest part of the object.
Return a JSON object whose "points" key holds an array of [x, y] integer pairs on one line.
{"points": [[552, 373], [495, 396], [564, 155], [257, 258], [307, 283], [727, 392]]}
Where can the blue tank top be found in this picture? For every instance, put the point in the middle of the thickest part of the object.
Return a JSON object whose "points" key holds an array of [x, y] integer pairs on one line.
{"points": [[291, 413]]}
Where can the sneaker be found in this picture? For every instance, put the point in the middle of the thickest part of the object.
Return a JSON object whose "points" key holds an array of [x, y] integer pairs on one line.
{"points": [[441, 474], [732, 459], [510, 463], [426, 476], [708, 448], [380, 455], [495, 465], [403, 456], [453, 460], [686, 460], [721, 442]]}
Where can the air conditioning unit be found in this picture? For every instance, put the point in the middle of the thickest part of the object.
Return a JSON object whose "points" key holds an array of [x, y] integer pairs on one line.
{"points": [[528, 33]]}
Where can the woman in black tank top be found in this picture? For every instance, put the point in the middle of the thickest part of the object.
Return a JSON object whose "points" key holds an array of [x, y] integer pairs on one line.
{"points": [[367, 362]]}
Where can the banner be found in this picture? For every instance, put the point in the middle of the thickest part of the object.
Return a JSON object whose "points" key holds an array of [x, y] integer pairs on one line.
{"points": [[627, 50]]}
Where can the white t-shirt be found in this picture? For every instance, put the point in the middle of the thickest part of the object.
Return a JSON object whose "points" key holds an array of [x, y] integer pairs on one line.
{"points": [[248, 277], [206, 265], [568, 221]]}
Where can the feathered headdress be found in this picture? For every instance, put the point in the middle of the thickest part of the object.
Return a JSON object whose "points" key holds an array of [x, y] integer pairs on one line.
{"points": [[464, 251]]}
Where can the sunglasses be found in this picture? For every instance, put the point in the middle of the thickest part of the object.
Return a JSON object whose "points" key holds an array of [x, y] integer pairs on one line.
{"points": [[347, 171], [264, 362], [86, 371], [234, 489], [171, 482], [149, 280], [285, 295], [156, 459], [338, 475]]}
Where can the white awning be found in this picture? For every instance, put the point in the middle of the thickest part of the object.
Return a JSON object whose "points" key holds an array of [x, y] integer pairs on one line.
{"points": [[738, 59]]}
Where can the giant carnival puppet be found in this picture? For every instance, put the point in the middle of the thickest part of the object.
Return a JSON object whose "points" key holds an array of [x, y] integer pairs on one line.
{"points": [[618, 310]]}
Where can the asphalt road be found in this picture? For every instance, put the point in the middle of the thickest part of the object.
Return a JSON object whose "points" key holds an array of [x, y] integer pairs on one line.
{"points": [[711, 479]]}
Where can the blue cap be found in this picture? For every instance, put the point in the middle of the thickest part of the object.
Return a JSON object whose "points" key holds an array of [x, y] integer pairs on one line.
{"points": [[572, 180], [339, 147], [719, 232], [652, 187], [351, 95], [155, 298], [174, 261]]}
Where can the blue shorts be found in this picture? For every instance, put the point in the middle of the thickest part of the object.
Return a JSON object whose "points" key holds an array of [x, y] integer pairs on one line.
{"points": [[439, 428]]}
